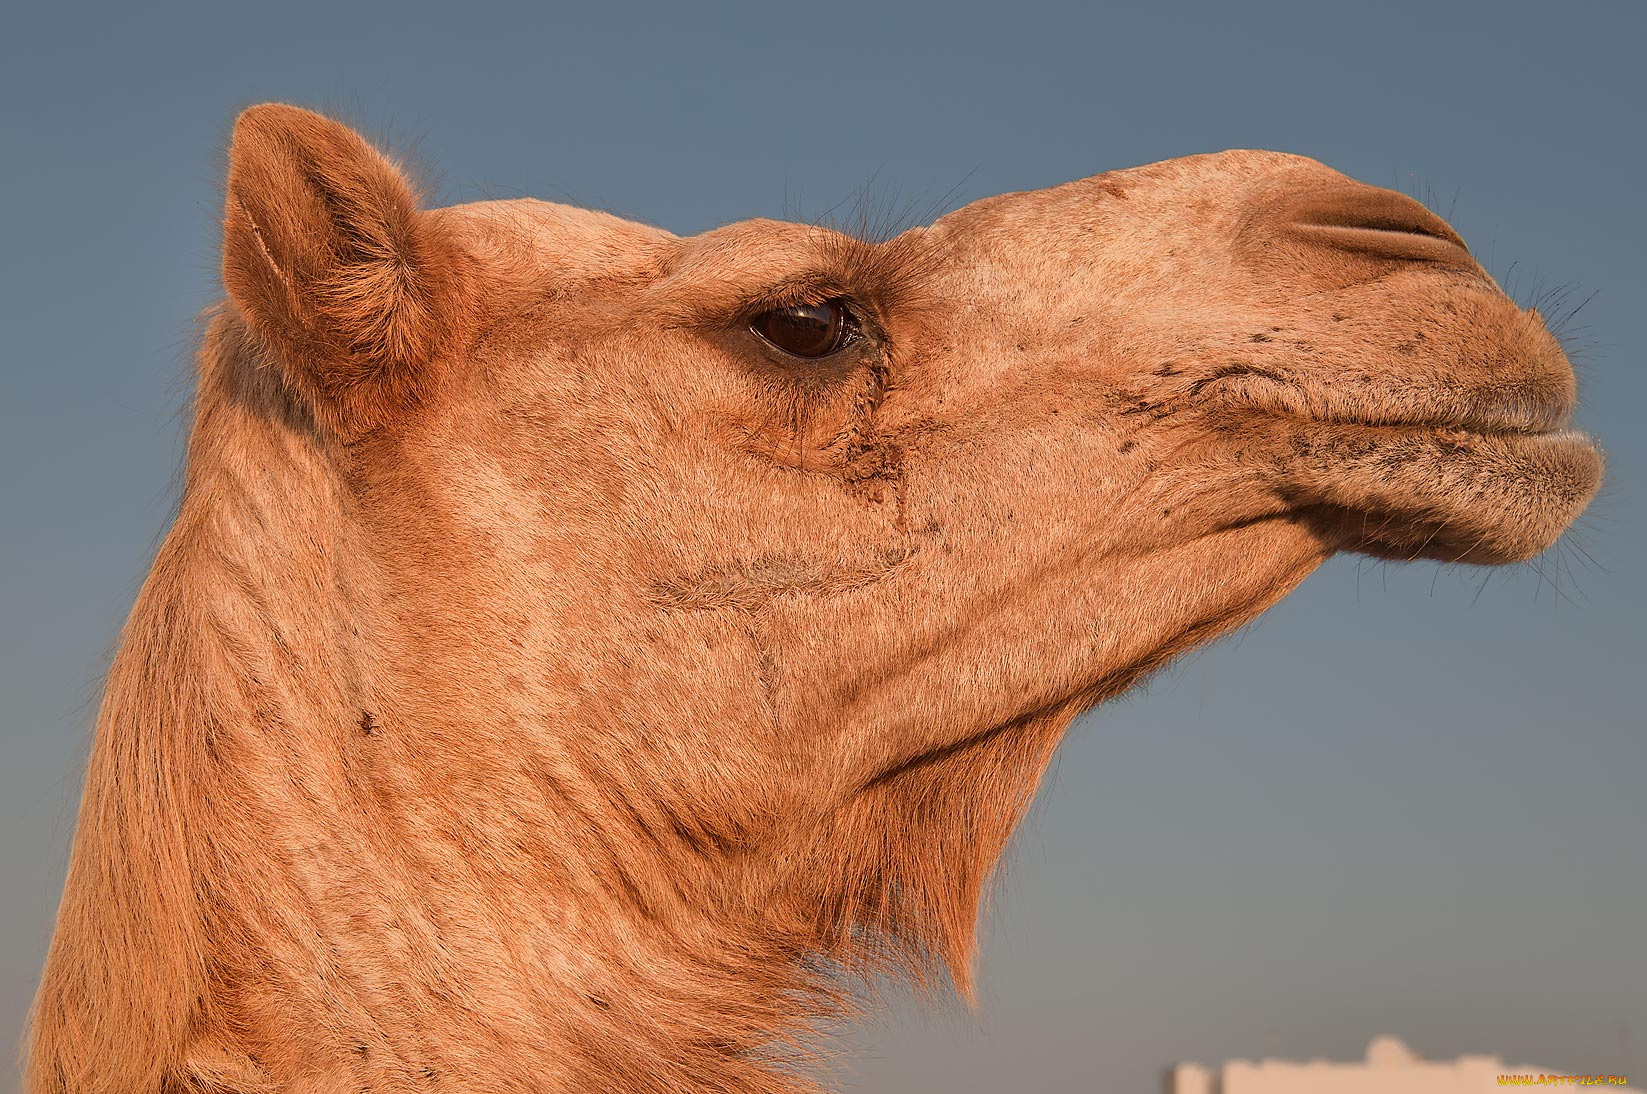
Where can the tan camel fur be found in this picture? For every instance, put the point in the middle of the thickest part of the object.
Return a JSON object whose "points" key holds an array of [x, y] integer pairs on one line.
{"points": [[552, 684]]}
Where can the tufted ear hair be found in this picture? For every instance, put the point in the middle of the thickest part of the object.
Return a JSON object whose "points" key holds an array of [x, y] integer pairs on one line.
{"points": [[359, 295]]}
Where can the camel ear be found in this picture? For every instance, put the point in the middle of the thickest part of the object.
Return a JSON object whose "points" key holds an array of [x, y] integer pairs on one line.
{"points": [[357, 293]]}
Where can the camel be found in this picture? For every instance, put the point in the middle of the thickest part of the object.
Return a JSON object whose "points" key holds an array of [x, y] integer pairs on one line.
{"points": [[582, 652]]}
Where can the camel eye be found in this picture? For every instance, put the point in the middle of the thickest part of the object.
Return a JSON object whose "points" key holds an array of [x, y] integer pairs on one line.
{"points": [[807, 330]]}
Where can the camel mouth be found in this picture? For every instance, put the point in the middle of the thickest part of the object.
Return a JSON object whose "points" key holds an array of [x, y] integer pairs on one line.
{"points": [[1448, 433], [1526, 393], [1485, 494]]}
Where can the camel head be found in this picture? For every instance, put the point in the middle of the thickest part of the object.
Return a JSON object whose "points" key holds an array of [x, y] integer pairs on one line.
{"points": [[628, 630]]}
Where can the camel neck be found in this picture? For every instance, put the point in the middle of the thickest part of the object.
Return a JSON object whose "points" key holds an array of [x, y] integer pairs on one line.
{"points": [[347, 873]]}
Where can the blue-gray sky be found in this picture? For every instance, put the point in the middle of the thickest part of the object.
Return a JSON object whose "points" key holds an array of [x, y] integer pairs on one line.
{"points": [[1410, 800]]}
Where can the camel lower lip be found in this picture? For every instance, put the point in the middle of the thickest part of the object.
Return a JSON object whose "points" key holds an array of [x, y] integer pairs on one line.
{"points": [[1395, 446], [1444, 492], [1504, 431], [1553, 436], [1562, 445], [1352, 436], [1515, 438]]}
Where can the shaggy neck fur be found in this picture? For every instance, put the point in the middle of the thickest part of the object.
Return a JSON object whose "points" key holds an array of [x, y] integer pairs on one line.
{"points": [[290, 876]]}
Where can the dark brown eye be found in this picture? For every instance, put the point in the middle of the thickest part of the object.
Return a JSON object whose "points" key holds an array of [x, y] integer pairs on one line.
{"points": [[807, 330]]}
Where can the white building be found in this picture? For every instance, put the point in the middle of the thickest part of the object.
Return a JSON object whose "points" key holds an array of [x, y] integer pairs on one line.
{"points": [[1390, 1068]]}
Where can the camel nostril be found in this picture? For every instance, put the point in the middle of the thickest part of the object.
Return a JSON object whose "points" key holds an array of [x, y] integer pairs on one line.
{"points": [[1380, 222]]}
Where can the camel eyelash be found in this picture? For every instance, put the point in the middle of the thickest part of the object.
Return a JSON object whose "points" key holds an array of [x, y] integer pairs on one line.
{"points": [[800, 293]]}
